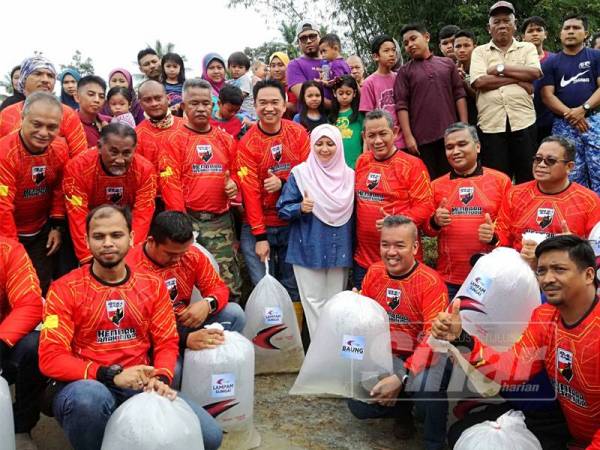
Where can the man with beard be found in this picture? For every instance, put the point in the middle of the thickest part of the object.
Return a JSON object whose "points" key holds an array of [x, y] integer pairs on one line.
{"points": [[39, 74], [113, 174], [149, 63], [122, 342]]}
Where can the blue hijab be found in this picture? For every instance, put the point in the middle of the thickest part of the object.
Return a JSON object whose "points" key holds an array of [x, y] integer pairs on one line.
{"points": [[65, 98]]}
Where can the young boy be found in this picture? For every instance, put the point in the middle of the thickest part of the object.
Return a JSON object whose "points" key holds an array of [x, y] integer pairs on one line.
{"points": [[226, 116], [464, 44], [91, 92], [377, 91], [333, 65], [446, 38], [238, 65]]}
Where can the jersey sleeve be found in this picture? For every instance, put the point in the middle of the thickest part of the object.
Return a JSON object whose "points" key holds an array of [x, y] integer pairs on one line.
{"points": [[503, 229], [247, 171], [209, 283], [143, 207], [8, 185], [57, 209], [7, 120], [163, 333], [169, 178], [421, 195], [24, 296], [73, 133], [76, 201]]}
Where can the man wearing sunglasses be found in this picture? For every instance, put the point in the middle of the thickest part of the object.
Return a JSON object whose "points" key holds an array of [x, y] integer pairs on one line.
{"points": [[549, 205], [307, 66]]}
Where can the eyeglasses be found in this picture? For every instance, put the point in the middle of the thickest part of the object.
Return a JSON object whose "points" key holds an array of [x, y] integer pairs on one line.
{"points": [[308, 37], [549, 161]]}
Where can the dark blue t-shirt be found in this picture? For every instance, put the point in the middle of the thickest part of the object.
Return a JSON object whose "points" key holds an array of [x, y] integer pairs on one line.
{"points": [[574, 77]]}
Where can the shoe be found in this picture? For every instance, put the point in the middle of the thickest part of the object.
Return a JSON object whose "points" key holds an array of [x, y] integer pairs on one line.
{"points": [[404, 428], [25, 442]]}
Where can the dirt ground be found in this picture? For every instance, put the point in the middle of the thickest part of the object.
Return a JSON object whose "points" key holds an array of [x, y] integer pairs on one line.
{"points": [[287, 423]]}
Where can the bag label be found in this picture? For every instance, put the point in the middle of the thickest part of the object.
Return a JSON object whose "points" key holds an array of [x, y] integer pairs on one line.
{"points": [[223, 385], [353, 347], [478, 287], [273, 315]]}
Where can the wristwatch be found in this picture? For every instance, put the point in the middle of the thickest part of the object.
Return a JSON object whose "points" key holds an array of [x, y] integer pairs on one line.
{"points": [[106, 374], [587, 108], [212, 304], [500, 70]]}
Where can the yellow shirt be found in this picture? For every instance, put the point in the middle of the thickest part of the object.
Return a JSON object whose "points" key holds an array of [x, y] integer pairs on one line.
{"points": [[511, 100]]}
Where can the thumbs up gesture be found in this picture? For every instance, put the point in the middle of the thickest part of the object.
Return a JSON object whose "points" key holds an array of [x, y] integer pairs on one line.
{"points": [[448, 325], [442, 215], [231, 188], [272, 183], [486, 230], [379, 222], [307, 204]]}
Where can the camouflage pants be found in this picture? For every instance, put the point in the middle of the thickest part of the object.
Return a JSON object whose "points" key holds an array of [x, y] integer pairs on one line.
{"points": [[217, 235]]}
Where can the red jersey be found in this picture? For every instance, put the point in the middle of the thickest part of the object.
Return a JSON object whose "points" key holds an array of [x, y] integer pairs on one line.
{"points": [[257, 153], [233, 127], [570, 356], [192, 269], [469, 199], [89, 323], [30, 186], [70, 126], [192, 170], [20, 294], [87, 185], [151, 140], [412, 302], [398, 185], [526, 208]]}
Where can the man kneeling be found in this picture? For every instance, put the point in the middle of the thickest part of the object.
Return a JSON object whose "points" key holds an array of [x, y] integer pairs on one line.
{"points": [[104, 324]]}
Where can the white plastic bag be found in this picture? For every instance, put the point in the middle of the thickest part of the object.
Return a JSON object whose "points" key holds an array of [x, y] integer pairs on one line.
{"points": [[7, 429], [508, 432], [221, 380], [594, 240], [148, 421], [272, 327], [351, 349], [498, 297]]}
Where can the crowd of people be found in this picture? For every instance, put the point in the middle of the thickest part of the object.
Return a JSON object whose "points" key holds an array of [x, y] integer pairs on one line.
{"points": [[331, 176]]}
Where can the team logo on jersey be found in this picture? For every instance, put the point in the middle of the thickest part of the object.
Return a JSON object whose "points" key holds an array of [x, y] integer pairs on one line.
{"points": [[38, 174], [373, 180], [277, 152], [115, 310], [544, 217], [564, 363], [466, 194], [114, 194], [171, 284], [205, 152], [393, 297]]}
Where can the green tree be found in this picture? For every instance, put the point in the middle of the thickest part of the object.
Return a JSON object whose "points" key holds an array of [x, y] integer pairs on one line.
{"points": [[83, 66]]}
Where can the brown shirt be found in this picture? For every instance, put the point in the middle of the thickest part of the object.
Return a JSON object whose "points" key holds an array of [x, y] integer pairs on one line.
{"points": [[510, 101]]}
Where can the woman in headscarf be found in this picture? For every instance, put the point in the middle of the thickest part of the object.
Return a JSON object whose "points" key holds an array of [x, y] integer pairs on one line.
{"points": [[213, 71], [68, 79], [17, 96], [278, 63], [318, 201], [121, 77]]}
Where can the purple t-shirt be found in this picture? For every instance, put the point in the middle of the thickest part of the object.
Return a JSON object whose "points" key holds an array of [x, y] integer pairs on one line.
{"points": [[304, 69], [377, 92], [337, 68]]}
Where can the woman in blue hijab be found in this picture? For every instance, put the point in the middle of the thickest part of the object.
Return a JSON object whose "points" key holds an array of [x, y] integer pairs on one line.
{"points": [[68, 86]]}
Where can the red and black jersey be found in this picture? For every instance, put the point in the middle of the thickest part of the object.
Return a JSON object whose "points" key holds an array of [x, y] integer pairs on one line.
{"points": [[468, 200], [526, 208], [397, 185], [257, 153], [151, 140], [30, 186], [412, 302], [89, 323], [233, 127], [192, 269], [70, 126], [570, 356], [20, 294], [193, 169], [87, 185]]}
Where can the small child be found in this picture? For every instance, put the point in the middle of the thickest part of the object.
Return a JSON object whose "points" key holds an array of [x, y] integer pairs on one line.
{"points": [[238, 65], [332, 65], [119, 102], [173, 76], [312, 108], [344, 114], [226, 116], [259, 71]]}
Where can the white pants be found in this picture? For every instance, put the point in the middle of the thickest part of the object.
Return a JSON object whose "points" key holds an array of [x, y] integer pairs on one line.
{"points": [[316, 286]]}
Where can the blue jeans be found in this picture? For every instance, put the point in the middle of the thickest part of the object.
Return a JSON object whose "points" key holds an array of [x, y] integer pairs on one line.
{"points": [[232, 317], [83, 408], [358, 274], [278, 268], [428, 390]]}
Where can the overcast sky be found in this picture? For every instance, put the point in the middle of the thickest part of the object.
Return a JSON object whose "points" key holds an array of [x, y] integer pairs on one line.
{"points": [[111, 33]]}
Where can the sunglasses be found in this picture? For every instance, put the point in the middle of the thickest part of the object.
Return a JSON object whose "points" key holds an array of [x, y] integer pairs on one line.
{"points": [[549, 161], [308, 37]]}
